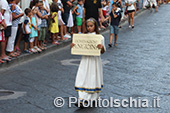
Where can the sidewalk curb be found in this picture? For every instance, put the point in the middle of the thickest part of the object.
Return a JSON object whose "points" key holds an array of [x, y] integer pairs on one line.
{"points": [[50, 48]]}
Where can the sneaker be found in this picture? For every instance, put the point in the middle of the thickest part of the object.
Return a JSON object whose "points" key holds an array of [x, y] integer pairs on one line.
{"points": [[68, 36], [38, 49], [26, 51], [33, 50], [56, 42], [129, 26]]}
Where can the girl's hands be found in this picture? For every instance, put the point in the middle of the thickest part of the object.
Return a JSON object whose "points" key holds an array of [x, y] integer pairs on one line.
{"points": [[72, 45], [78, 13], [36, 28], [100, 46], [55, 15]]}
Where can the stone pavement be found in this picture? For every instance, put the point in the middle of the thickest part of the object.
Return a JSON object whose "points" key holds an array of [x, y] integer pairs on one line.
{"points": [[137, 67]]}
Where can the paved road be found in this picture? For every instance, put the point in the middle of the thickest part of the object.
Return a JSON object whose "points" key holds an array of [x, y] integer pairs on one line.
{"points": [[138, 67]]}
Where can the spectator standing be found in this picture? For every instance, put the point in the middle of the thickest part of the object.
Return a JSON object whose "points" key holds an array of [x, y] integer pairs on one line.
{"points": [[92, 8], [67, 5], [16, 15], [54, 28], [2, 37], [7, 14], [34, 30], [60, 20], [78, 10], [43, 26], [27, 28], [19, 33], [131, 9], [153, 2]]}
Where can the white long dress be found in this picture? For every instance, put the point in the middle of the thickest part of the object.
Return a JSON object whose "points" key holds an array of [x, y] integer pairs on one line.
{"points": [[89, 79]]}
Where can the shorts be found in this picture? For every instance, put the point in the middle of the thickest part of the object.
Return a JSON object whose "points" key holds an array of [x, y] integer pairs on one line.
{"points": [[42, 34], [65, 17], [114, 29], [8, 31], [2, 37], [130, 11], [31, 40], [153, 2], [26, 37], [18, 33], [104, 13], [79, 21]]}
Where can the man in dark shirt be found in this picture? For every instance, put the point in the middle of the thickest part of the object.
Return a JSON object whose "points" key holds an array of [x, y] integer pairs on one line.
{"points": [[66, 6], [92, 8], [115, 16]]}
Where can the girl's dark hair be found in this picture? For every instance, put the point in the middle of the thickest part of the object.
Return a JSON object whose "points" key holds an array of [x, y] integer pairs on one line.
{"points": [[27, 10], [95, 24], [10, 1], [33, 3], [54, 7]]}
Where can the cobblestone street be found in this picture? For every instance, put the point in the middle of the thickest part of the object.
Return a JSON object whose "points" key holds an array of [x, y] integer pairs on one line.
{"points": [[138, 67]]}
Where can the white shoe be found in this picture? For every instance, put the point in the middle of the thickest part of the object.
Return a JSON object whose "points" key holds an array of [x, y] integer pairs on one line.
{"points": [[129, 26], [68, 36], [38, 49]]}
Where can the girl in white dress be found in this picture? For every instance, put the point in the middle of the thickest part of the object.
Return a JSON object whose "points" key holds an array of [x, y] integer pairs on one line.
{"points": [[89, 80]]}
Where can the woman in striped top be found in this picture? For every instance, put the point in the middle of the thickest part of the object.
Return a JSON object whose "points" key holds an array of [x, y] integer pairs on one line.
{"points": [[16, 15]]}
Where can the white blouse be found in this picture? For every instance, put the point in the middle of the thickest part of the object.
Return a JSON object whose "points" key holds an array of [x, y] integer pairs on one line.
{"points": [[132, 7]]}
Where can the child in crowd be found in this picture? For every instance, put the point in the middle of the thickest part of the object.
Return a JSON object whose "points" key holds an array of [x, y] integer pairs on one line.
{"points": [[89, 79], [67, 5], [115, 19], [27, 28], [2, 37], [43, 25], [34, 31], [60, 20], [54, 29], [16, 15], [78, 10], [38, 17]]}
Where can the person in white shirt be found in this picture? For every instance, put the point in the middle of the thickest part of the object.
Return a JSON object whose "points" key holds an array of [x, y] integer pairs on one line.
{"points": [[7, 14], [153, 2], [27, 28], [46, 6], [131, 9]]}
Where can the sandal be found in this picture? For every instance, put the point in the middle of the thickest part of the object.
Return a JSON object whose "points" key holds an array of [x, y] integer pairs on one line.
{"points": [[115, 44], [26, 51], [33, 50], [38, 49], [1, 61], [110, 45], [12, 55], [17, 49], [6, 59]]}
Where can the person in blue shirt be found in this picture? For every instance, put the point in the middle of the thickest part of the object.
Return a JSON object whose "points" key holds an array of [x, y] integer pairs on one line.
{"points": [[78, 10], [114, 16]]}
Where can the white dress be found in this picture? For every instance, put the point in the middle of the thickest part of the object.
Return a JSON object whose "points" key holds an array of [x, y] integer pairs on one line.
{"points": [[89, 79], [70, 20]]}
